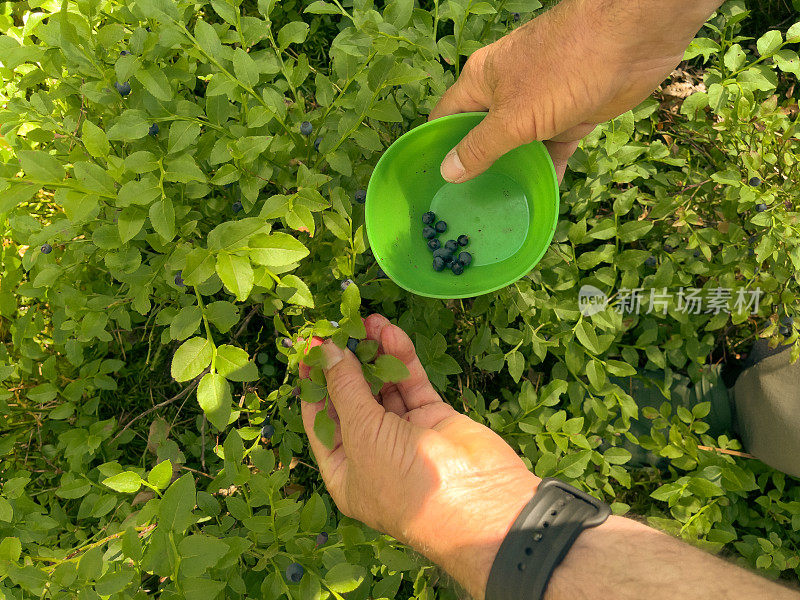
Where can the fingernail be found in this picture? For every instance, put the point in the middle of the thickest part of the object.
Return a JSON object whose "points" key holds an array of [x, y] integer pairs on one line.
{"points": [[332, 353], [452, 170]]}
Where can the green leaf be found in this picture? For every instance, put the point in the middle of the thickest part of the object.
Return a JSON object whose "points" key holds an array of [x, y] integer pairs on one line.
{"points": [[343, 577], [276, 249], [200, 265], [155, 81], [95, 140], [176, 505], [292, 33], [182, 134], [516, 364], [314, 514], [214, 397], [41, 166], [294, 290], [389, 368], [160, 475], [324, 428], [234, 364], [162, 218], [245, 68], [130, 223], [236, 274], [769, 42], [130, 125], [191, 358], [185, 322], [126, 482]]}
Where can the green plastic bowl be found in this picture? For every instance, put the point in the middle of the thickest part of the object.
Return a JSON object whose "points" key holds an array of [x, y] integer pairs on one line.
{"points": [[509, 212]]}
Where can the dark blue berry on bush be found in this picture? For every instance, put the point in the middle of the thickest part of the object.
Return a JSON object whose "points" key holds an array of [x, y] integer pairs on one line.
{"points": [[451, 245], [306, 128], [429, 217], [516, 17], [352, 344], [669, 249], [46, 248], [438, 263], [179, 280], [286, 342], [322, 538], [650, 261], [463, 240], [761, 207], [457, 268], [465, 258], [317, 142], [441, 227], [123, 52], [755, 181], [153, 130], [294, 572], [697, 253], [434, 244], [345, 284], [428, 233], [361, 196], [784, 331], [786, 320], [237, 207], [123, 88], [267, 431]]}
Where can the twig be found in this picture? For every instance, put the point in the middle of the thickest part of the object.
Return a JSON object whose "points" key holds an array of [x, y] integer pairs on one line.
{"points": [[724, 451], [244, 323]]}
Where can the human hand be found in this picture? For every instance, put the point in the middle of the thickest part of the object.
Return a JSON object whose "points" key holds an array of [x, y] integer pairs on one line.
{"points": [[408, 464], [555, 78]]}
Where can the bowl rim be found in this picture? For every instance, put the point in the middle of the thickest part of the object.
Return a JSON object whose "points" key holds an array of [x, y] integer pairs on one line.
{"points": [[435, 123]]}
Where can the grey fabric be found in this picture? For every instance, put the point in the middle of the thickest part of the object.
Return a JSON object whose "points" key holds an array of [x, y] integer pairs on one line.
{"points": [[767, 399]]}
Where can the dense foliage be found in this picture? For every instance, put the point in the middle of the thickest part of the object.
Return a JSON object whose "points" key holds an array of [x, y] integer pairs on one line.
{"points": [[171, 241]]}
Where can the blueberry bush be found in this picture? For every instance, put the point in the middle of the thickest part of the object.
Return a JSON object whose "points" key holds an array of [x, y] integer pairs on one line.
{"points": [[181, 189]]}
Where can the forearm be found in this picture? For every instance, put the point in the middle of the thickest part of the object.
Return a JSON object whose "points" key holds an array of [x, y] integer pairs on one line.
{"points": [[625, 560]]}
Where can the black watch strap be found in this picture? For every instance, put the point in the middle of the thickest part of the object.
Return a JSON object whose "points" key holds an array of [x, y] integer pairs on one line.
{"points": [[540, 538]]}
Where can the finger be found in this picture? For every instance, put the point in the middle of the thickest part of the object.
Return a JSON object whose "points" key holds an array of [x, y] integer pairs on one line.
{"points": [[416, 389], [390, 395], [359, 413], [480, 148], [332, 463], [468, 93], [560, 153]]}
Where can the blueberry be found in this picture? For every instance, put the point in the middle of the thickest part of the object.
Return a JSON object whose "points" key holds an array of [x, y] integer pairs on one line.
{"points": [[46, 248], [429, 217], [451, 245], [179, 280], [429, 233], [335, 324], [317, 142], [516, 17], [441, 227], [465, 258], [322, 538], [786, 320], [650, 261], [380, 274], [442, 253], [761, 207], [306, 128], [457, 268], [153, 130], [669, 249], [267, 431], [755, 181], [784, 331], [438, 263], [345, 284], [352, 344], [123, 88], [237, 207], [434, 244], [294, 572], [448, 260], [463, 240], [296, 392], [697, 253], [123, 52], [361, 196], [286, 342]]}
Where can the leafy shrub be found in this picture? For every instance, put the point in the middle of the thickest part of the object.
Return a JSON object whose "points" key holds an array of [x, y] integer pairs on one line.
{"points": [[194, 229]]}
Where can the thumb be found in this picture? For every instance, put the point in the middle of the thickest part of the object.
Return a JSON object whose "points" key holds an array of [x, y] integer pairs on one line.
{"points": [[359, 412], [480, 148]]}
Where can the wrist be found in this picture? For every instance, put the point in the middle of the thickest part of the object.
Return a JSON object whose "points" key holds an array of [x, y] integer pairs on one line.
{"points": [[466, 545]]}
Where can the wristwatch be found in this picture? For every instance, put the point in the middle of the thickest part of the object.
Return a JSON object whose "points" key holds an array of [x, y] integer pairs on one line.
{"points": [[540, 538]]}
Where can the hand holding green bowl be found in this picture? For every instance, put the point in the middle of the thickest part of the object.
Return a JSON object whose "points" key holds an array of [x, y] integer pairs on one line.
{"points": [[509, 212]]}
